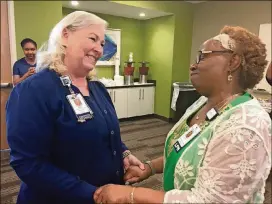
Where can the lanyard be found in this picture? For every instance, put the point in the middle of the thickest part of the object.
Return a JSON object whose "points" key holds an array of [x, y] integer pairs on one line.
{"points": [[81, 109], [210, 116], [66, 81]]}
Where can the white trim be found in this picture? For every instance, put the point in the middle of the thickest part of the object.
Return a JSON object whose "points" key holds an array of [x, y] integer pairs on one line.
{"points": [[12, 34], [105, 63], [5, 150]]}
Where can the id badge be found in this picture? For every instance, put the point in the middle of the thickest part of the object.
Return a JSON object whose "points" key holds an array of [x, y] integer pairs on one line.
{"points": [[187, 136], [80, 107]]}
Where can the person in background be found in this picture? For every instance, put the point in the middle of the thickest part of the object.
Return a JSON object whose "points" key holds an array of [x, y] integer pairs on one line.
{"points": [[64, 150], [25, 67], [220, 150], [269, 74]]}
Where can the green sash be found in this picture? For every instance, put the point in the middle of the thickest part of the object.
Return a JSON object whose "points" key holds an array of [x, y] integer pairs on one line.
{"points": [[191, 154]]}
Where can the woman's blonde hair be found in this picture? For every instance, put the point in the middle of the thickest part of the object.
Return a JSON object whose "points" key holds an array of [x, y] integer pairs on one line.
{"points": [[52, 53]]}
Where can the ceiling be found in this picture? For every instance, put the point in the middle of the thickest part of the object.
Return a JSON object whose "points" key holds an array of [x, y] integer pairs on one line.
{"points": [[115, 9]]}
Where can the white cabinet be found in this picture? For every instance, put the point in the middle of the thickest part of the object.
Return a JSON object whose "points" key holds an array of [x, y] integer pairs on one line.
{"points": [[140, 101], [147, 100], [133, 101], [134, 98], [119, 99]]}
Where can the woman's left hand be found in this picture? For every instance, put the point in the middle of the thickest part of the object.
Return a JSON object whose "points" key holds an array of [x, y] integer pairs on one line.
{"points": [[131, 160], [112, 194]]}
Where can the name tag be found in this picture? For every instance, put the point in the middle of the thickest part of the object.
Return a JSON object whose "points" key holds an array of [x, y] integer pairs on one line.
{"points": [[80, 107], [186, 137]]}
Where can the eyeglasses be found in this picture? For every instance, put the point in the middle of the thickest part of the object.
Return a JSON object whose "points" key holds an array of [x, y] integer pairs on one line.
{"points": [[201, 54]]}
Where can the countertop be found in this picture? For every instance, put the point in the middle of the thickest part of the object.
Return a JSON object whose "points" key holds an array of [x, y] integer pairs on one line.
{"points": [[6, 85], [136, 84]]}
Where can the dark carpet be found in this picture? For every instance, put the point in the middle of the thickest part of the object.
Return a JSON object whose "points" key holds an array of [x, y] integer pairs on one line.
{"points": [[145, 138]]}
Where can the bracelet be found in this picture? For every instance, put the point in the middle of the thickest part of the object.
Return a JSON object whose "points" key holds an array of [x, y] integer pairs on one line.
{"points": [[132, 196], [153, 171], [126, 153]]}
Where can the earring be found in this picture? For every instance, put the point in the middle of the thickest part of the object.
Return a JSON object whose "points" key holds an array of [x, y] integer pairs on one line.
{"points": [[229, 77]]}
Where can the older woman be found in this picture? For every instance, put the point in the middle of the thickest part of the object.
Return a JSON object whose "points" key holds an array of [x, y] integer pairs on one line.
{"points": [[62, 127], [220, 150]]}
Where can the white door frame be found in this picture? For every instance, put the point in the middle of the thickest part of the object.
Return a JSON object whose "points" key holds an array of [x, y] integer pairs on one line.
{"points": [[12, 34]]}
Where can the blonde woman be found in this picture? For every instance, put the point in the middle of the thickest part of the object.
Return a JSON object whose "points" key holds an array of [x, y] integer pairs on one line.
{"points": [[220, 150], [62, 152]]}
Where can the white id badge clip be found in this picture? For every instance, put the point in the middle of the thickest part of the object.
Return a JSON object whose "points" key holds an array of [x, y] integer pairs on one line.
{"points": [[65, 80], [211, 114], [187, 136], [80, 107]]}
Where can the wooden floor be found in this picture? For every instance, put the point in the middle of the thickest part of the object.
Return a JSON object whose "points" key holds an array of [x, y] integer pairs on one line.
{"points": [[145, 138]]}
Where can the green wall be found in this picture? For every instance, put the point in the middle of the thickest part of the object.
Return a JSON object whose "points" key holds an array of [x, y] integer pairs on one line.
{"points": [[183, 31], [158, 42], [179, 70], [131, 41], [35, 19]]}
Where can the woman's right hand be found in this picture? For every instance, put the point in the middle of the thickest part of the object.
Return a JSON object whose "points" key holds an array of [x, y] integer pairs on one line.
{"points": [[134, 174], [30, 71]]}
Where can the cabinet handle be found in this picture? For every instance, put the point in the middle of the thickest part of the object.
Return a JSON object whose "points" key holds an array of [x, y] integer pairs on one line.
{"points": [[140, 94], [143, 94], [114, 96]]}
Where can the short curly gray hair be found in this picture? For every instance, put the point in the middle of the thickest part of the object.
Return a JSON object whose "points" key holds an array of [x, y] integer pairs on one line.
{"points": [[253, 52]]}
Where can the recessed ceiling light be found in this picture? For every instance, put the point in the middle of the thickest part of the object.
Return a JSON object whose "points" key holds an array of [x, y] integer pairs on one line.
{"points": [[142, 14], [74, 3]]}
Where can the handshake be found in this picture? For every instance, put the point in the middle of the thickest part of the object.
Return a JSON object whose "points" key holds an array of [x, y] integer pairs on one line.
{"points": [[119, 193]]}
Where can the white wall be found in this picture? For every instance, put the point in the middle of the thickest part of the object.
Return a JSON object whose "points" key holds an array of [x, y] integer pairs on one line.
{"points": [[211, 16], [265, 35]]}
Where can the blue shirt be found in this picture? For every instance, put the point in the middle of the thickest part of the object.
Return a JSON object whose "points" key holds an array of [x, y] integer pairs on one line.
{"points": [[58, 159], [21, 67]]}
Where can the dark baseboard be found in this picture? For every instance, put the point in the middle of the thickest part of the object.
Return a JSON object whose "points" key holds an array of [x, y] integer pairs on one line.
{"points": [[169, 120], [137, 118]]}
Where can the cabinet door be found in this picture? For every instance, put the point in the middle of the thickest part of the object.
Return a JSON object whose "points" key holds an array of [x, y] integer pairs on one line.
{"points": [[147, 101], [110, 92], [119, 98], [134, 97]]}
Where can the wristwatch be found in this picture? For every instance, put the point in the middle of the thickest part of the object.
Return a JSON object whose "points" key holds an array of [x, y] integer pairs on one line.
{"points": [[153, 171]]}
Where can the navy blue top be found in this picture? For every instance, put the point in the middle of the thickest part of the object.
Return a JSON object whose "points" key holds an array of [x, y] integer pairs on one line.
{"points": [[58, 159], [21, 67]]}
